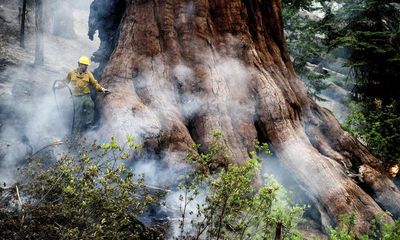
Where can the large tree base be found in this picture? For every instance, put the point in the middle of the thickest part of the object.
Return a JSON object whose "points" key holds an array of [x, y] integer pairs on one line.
{"points": [[181, 69]]}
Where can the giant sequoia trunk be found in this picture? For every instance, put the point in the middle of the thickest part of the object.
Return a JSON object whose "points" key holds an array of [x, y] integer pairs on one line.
{"points": [[183, 68]]}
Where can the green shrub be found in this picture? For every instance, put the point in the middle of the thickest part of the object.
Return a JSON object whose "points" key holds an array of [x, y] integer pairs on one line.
{"points": [[379, 230], [86, 194], [234, 207]]}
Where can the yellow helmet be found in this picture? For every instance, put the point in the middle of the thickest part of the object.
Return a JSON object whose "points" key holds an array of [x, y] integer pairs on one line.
{"points": [[84, 60]]}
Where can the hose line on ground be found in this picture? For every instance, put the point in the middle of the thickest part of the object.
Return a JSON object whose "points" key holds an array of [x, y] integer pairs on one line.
{"points": [[58, 107]]}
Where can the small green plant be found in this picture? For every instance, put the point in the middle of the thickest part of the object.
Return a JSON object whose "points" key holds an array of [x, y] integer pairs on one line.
{"points": [[391, 231], [344, 231], [378, 129], [235, 208], [379, 230]]}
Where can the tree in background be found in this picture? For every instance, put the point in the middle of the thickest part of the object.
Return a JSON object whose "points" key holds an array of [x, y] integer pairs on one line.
{"points": [[39, 45], [60, 15], [305, 36], [367, 32], [370, 31], [22, 21]]}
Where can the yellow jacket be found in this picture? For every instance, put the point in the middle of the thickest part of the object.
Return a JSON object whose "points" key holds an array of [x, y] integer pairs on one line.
{"points": [[80, 82]]}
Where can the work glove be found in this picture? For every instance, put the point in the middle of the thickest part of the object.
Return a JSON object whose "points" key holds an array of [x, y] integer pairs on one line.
{"points": [[105, 90], [60, 85]]}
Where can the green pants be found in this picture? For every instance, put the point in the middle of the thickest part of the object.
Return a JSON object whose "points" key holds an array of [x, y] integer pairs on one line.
{"points": [[83, 113]]}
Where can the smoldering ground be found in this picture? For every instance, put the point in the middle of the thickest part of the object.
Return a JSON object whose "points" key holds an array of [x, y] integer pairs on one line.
{"points": [[32, 119]]}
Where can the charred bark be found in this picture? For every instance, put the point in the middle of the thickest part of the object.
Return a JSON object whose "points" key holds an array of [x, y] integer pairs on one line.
{"points": [[105, 17], [172, 52]]}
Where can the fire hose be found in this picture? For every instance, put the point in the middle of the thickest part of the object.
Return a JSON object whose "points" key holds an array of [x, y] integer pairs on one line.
{"points": [[105, 91], [54, 88], [25, 140], [59, 142]]}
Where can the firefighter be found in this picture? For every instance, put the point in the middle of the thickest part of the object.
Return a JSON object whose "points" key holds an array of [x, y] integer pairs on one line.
{"points": [[79, 81]]}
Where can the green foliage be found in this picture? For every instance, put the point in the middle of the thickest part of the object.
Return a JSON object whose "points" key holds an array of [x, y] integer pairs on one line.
{"points": [[234, 208], [391, 231], [297, 4], [379, 230], [378, 129], [301, 34], [305, 37], [345, 228], [316, 85], [90, 194], [368, 35], [370, 31]]}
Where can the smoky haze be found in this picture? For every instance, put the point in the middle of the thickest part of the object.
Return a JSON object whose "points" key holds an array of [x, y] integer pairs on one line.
{"points": [[29, 115], [31, 118]]}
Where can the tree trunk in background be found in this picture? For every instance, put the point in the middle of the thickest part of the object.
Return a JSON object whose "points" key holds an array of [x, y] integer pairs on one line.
{"points": [[22, 31], [39, 45], [60, 19], [183, 68]]}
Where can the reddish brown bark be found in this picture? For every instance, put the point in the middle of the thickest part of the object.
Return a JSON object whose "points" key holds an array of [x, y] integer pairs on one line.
{"points": [[206, 38]]}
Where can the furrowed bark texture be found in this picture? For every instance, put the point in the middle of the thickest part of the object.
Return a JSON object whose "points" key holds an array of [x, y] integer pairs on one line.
{"points": [[183, 68]]}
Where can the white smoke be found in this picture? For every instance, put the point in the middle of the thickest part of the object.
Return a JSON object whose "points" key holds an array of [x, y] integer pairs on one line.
{"points": [[43, 123], [176, 202], [31, 118]]}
